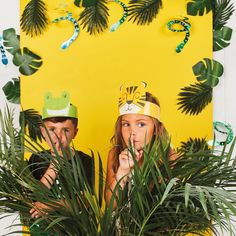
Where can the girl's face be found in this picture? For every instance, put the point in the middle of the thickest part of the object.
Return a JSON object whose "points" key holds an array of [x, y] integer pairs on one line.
{"points": [[63, 131], [138, 128]]}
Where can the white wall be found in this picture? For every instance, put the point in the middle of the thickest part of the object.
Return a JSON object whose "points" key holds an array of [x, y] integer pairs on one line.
{"points": [[224, 93], [9, 18]]}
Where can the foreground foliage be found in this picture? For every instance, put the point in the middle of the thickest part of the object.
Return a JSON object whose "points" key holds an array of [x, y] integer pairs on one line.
{"points": [[194, 193]]}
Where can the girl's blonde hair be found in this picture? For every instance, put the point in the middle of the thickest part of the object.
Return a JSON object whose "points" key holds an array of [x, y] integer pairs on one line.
{"points": [[160, 132]]}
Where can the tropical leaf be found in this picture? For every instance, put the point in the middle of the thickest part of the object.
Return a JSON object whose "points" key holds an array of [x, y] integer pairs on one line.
{"points": [[208, 71], [28, 61], [34, 18], [12, 91], [143, 12], [95, 17], [193, 145], [221, 38], [32, 120], [194, 98], [199, 7], [85, 3], [222, 11], [11, 40]]}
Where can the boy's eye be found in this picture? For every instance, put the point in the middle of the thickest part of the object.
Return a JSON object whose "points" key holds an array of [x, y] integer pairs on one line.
{"points": [[65, 130], [52, 129]]}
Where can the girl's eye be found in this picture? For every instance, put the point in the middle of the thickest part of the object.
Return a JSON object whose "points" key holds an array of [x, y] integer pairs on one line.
{"points": [[141, 124], [125, 124]]}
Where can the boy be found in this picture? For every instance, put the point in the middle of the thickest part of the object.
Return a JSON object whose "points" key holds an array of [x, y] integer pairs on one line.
{"points": [[59, 128]]}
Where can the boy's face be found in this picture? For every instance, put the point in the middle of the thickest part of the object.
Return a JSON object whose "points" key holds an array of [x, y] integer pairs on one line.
{"points": [[64, 131]]}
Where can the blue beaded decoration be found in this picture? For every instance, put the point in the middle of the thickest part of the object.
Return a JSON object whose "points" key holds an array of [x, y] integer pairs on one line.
{"points": [[122, 20], [186, 28], [69, 17], [3, 52]]}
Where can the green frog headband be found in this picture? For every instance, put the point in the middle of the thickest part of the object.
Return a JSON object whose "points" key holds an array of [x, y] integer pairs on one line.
{"points": [[59, 106], [133, 101]]}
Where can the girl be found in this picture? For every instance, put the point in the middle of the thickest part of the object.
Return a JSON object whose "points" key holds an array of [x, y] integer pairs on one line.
{"points": [[138, 125]]}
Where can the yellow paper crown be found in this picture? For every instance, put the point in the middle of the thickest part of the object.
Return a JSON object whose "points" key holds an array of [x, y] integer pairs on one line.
{"points": [[132, 100]]}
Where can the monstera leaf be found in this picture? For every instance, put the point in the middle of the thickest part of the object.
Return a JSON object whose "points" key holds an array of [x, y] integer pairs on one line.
{"points": [[193, 99], [94, 17], [11, 40], [208, 71], [34, 18], [27, 61], [12, 91], [221, 38], [199, 7], [144, 12], [222, 11]]}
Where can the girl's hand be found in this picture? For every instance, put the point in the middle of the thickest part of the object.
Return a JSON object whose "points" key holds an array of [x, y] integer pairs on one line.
{"points": [[126, 162]]}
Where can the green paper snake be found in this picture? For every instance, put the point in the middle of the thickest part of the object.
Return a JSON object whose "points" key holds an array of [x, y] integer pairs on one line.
{"points": [[186, 28], [122, 19], [69, 17]]}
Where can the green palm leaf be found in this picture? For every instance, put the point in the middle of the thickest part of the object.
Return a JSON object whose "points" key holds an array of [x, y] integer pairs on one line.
{"points": [[208, 71], [193, 145], [34, 18], [222, 11], [194, 98], [11, 40], [95, 17], [28, 61], [221, 38], [199, 7], [32, 120], [12, 91], [143, 12]]}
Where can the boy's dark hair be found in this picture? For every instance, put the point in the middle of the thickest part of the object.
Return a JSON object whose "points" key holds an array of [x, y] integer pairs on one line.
{"points": [[62, 119]]}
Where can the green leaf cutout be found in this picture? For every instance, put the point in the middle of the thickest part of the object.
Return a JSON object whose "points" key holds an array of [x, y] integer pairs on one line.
{"points": [[194, 98], [77, 3], [12, 91], [144, 12], [199, 7], [28, 62], [11, 40], [221, 38], [95, 17], [208, 71], [89, 3]]}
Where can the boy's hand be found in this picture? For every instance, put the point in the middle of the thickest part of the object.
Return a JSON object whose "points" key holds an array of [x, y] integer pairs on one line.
{"points": [[39, 209]]}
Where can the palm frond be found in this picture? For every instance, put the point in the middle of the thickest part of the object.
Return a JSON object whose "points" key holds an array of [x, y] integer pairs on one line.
{"points": [[221, 38], [143, 12], [34, 18], [95, 18], [222, 11], [194, 98], [193, 145], [32, 120]]}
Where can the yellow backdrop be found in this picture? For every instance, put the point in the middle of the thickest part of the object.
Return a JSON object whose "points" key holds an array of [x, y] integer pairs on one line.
{"points": [[93, 68]]}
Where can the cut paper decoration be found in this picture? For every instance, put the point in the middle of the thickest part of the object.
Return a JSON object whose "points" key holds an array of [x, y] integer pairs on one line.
{"points": [[223, 134], [59, 106], [3, 52], [132, 100], [69, 17], [186, 28], [122, 20]]}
